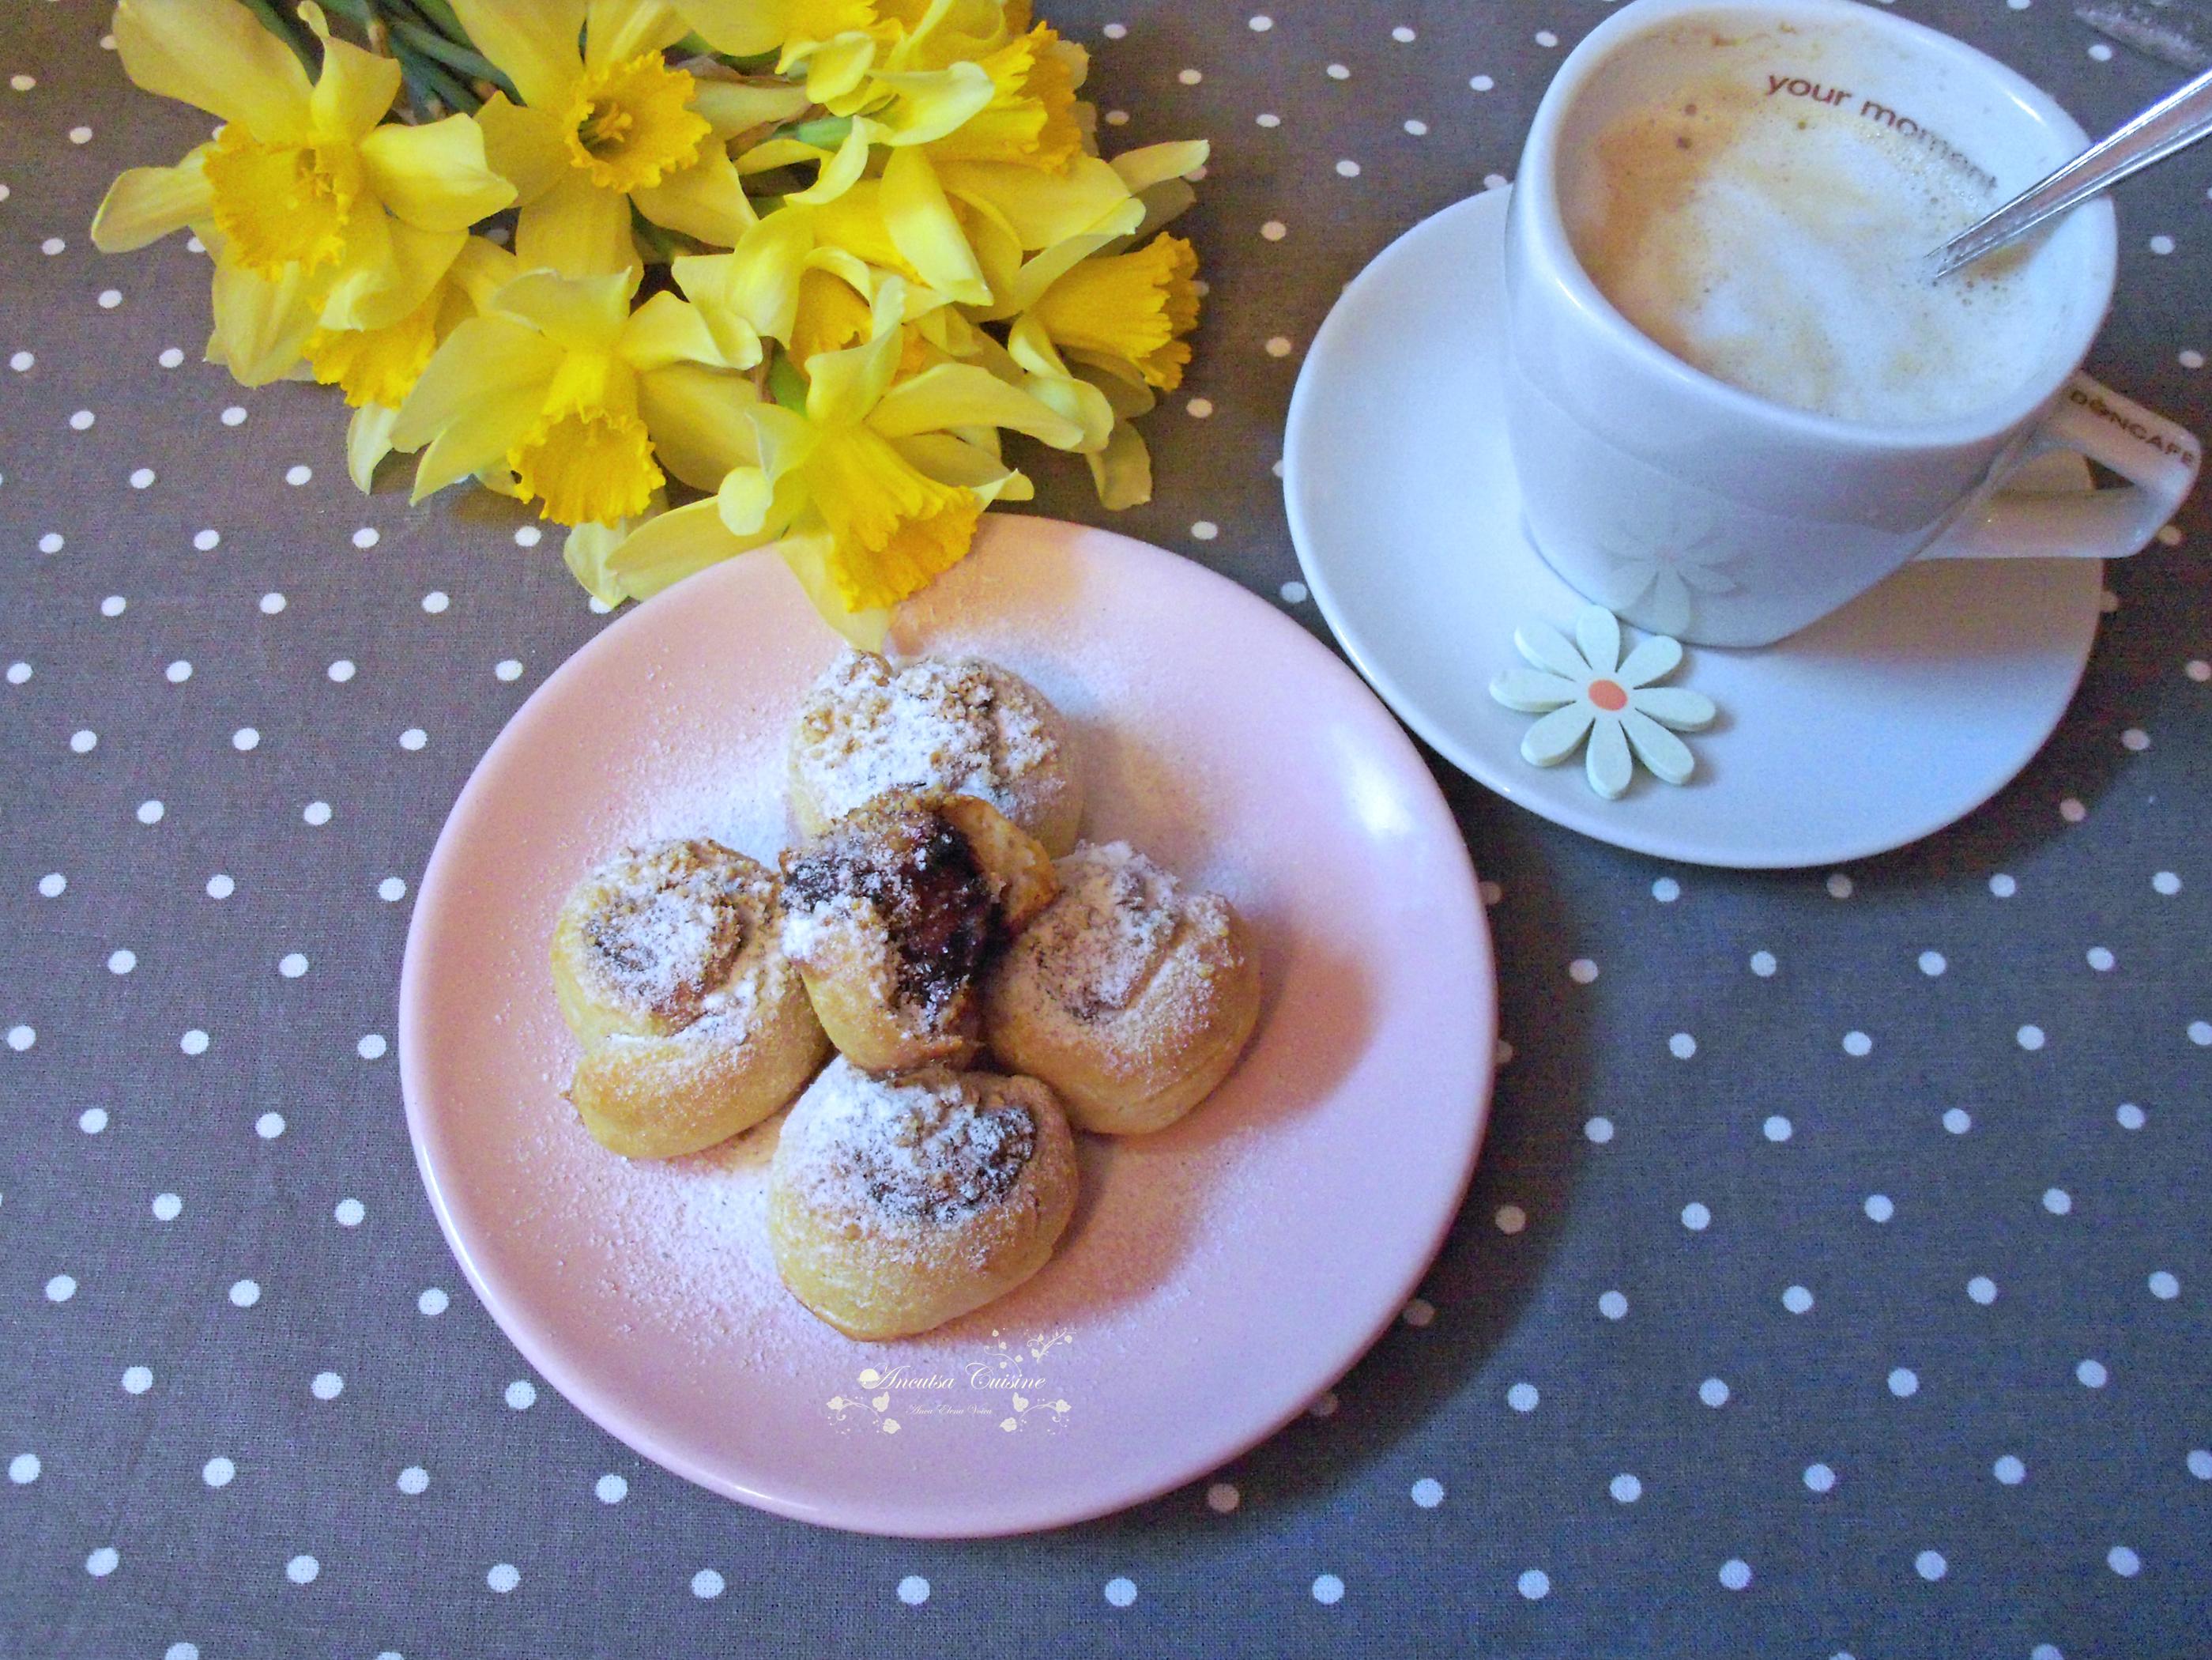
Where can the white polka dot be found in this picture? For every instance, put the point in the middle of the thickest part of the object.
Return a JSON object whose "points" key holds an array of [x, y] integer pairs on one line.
{"points": [[271, 604], [151, 812], [102, 1562], [1401, 34], [2166, 882], [371, 1047], [1338, 72], [1612, 1305], [1625, 1489], [194, 1042], [413, 1480], [706, 1584], [1428, 1492], [93, 1120], [179, 673], [82, 421], [297, 475], [2129, 1116], [2136, 739], [2029, 1038], [2200, 1033], [2057, 1200], [2072, 811], [1735, 1573], [60, 1288], [167, 1206], [245, 739], [1696, 1217], [2100, 51], [2161, 244], [348, 1212], [1840, 886], [22, 362], [1534, 1585], [611, 1489], [23, 1468], [170, 357], [1260, 24], [2164, 1285], [341, 670], [2123, 1561], [80, 135], [292, 965], [1546, 38], [1682, 1046], [913, 1589], [1481, 83], [245, 1294], [121, 962], [507, 669], [521, 1394], [218, 1472], [1796, 1300], [137, 1380], [317, 813], [436, 601], [528, 537], [1903, 1382], [219, 886], [503, 1577], [1418, 128], [1418, 1312], [1819, 1478], [84, 741], [109, 299], [2092, 1375], [1511, 1219], [2009, 1470], [1504, 1053], [1982, 1289], [1958, 1121], [1268, 118], [1599, 1130], [1347, 168], [327, 1386], [413, 738], [53, 542], [1274, 230], [141, 478], [1778, 1128], [2003, 886], [1328, 1590], [52, 246], [433, 1302], [366, 537], [2200, 1464], [1763, 964], [1713, 1392], [52, 885], [302, 1570], [1222, 1498], [1930, 1566], [1293, 593], [21, 1038], [18, 673], [1522, 1397], [207, 540], [2192, 360]]}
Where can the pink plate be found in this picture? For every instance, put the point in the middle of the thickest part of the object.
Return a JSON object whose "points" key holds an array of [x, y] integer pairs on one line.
{"points": [[1217, 1276]]}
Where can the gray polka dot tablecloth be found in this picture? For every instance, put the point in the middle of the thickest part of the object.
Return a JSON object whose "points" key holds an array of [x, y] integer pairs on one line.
{"points": [[1837, 1280]]}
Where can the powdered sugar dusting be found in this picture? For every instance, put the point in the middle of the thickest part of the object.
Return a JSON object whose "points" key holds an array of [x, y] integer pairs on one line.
{"points": [[1099, 943]]}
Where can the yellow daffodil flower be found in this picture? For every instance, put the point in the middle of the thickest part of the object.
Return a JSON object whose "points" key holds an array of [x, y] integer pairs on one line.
{"points": [[609, 124], [1126, 312], [317, 215], [869, 492], [1030, 119], [582, 399]]}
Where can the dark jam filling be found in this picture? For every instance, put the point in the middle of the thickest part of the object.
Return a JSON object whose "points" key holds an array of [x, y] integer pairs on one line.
{"points": [[972, 1168], [918, 872]]}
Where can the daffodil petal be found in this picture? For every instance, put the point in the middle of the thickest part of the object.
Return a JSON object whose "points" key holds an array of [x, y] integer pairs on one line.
{"points": [[1656, 658], [962, 395], [262, 327], [930, 104], [671, 546], [577, 228], [1554, 739], [697, 419], [481, 269], [1121, 472], [435, 176], [836, 68], [1597, 632], [1532, 691], [665, 330], [1607, 765], [1141, 168], [486, 358], [734, 106], [752, 291], [218, 59], [146, 204], [844, 385], [924, 229], [411, 264], [809, 558], [1547, 649], [368, 441], [951, 460], [841, 172], [354, 88], [534, 42], [706, 200], [746, 501], [1675, 707], [783, 440], [523, 146], [1666, 755], [578, 314], [618, 30], [1045, 208]]}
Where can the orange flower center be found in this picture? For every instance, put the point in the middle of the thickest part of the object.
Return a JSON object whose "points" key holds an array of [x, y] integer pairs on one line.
{"points": [[1608, 697]]}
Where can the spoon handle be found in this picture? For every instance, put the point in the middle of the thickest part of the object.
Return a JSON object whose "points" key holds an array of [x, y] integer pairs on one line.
{"points": [[2171, 124]]}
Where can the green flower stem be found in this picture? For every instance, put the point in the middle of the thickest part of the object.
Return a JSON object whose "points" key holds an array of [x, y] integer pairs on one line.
{"points": [[420, 38], [786, 384], [424, 75], [286, 29], [826, 134], [440, 17], [659, 243]]}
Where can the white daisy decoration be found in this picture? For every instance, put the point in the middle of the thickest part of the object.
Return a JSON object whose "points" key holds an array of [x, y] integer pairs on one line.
{"points": [[1583, 687]]}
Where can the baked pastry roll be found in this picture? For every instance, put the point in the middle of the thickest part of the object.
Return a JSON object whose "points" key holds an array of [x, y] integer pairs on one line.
{"points": [[1130, 994], [896, 1204], [891, 913], [938, 726], [668, 961]]}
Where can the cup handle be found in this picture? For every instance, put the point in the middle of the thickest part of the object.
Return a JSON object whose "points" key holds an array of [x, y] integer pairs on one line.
{"points": [[2157, 459]]}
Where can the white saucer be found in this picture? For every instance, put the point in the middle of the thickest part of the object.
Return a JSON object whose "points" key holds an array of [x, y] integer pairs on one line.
{"points": [[1877, 726]]}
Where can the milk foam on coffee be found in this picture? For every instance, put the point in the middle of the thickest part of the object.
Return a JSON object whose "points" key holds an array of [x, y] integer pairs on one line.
{"points": [[1772, 239]]}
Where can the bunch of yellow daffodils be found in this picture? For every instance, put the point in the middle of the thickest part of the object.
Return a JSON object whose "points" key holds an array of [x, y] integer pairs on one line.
{"points": [[698, 277]]}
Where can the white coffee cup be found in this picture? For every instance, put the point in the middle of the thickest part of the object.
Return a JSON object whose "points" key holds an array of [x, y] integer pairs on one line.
{"points": [[1696, 509]]}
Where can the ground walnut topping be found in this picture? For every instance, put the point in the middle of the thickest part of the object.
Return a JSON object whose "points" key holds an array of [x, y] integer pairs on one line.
{"points": [[870, 729], [920, 877], [930, 1149], [1103, 940], [670, 928]]}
